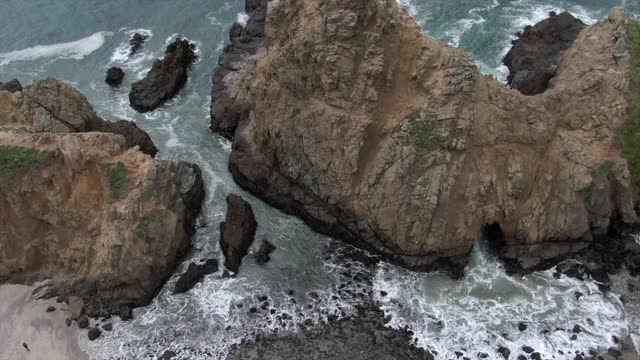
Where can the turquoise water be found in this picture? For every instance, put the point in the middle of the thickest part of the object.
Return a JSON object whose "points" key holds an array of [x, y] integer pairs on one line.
{"points": [[77, 41]]}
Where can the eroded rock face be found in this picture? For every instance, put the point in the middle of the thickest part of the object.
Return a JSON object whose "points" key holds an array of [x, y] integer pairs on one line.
{"points": [[11, 86], [165, 79], [53, 106], [534, 58], [245, 41], [379, 135], [102, 220], [237, 232]]}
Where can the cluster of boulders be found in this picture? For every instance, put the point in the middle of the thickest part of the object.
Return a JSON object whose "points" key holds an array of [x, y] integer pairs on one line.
{"points": [[165, 79]]}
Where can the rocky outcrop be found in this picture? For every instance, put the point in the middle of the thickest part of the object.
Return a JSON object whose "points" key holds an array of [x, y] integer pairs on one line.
{"points": [[53, 106], [194, 274], [136, 42], [114, 76], [264, 253], [534, 58], [379, 135], [165, 79], [101, 220], [245, 41], [11, 86], [237, 232]]}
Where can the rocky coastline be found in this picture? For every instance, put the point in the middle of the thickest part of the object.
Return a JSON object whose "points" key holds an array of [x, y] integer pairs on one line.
{"points": [[91, 212], [451, 147]]}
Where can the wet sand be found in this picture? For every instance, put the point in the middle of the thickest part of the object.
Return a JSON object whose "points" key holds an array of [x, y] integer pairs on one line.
{"points": [[23, 319]]}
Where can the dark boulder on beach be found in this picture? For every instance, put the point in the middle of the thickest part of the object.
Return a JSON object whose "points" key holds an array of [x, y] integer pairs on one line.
{"points": [[534, 58], [114, 77], [165, 79], [11, 86], [136, 42], [194, 274], [237, 232]]}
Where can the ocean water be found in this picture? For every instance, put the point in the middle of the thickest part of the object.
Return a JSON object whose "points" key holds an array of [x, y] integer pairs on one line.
{"points": [[76, 41]]}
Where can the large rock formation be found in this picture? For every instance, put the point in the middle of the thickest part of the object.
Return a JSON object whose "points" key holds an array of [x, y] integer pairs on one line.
{"points": [[103, 221], [53, 106], [237, 232], [534, 58], [165, 79], [372, 132], [244, 42]]}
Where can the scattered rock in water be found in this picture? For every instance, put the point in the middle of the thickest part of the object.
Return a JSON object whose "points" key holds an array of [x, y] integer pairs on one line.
{"points": [[522, 326], [536, 356], [165, 79], [12, 86], [527, 349], [237, 232], [168, 354], [125, 313], [136, 42], [577, 329], [534, 58], [262, 298], [94, 333], [383, 293], [24, 345], [522, 357], [51, 309], [62, 299], [263, 254], [194, 274], [83, 322], [114, 76], [505, 352], [107, 327], [67, 322], [578, 295]]}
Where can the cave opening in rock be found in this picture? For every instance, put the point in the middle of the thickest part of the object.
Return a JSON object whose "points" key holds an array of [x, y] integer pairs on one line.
{"points": [[493, 236]]}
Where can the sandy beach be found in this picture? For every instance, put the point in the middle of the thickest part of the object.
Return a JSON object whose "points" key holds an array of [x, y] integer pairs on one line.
{"points": [[24, 320]]}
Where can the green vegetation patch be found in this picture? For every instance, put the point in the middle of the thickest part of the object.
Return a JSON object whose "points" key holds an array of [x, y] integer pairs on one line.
{"points": [[630, 132], [117, 176], [16, 160], [423, 131], [603, 170]]}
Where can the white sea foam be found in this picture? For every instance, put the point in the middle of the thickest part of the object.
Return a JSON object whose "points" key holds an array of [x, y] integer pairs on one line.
{"points": [[242, 18], [482, 311], [76, 50], [408, 4], [463, 25]]}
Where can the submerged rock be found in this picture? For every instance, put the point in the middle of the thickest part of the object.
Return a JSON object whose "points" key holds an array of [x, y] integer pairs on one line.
{"points": [[165, 79], [534, 58], [237, 232], [263, 254], [114, 76], [11, 86], [136, 42], [68, 199], [194, 274], [379, 135]]}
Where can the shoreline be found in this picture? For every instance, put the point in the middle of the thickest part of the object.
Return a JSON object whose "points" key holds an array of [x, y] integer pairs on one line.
{"points": [[26, 321]]}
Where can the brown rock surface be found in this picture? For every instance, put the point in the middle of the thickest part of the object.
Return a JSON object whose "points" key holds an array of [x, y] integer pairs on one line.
{"points": [[237, 232], [103, 221], [374, 133]]}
